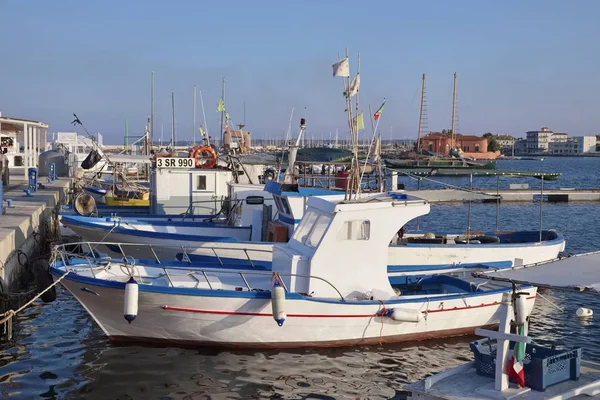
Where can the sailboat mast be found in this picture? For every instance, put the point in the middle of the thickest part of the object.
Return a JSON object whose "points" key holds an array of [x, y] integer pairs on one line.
{"points": [[222, 112], [421, 113], [453, 111], [172, 119], [194, 133], [152, 110]]}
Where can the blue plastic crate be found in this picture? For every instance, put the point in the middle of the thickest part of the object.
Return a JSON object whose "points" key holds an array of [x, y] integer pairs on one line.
{"points": [[543, 367]]}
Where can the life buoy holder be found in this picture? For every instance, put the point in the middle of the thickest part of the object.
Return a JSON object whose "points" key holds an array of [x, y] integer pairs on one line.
{"points": [[208, 154]]}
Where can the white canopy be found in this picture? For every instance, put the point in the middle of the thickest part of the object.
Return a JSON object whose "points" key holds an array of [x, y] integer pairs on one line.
{"points": [[579, 273], [129, 158]]}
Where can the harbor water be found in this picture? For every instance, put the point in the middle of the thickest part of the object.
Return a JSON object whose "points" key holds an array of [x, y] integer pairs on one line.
{"points": [[59, 352]]}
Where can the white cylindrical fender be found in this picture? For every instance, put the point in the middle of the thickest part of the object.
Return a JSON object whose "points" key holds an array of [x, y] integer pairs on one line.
{"points": [[584, 312], [130, 301], [405, 314], [278, 303], [521, 309]]}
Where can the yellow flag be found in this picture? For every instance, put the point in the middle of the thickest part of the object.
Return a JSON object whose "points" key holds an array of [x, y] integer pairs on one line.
{"points": [[359, 122], [221, 105]]}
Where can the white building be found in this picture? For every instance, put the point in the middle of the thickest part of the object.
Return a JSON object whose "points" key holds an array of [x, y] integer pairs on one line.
{"points": [[74, 142], [574, 146], [21, 141], [538, 141]]}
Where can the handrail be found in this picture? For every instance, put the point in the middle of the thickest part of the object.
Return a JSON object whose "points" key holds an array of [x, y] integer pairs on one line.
{"points": [[93, 250], [204, 272]]}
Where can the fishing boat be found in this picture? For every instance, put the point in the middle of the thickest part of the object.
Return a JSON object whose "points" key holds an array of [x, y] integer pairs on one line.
{"points": [[328, 287]]}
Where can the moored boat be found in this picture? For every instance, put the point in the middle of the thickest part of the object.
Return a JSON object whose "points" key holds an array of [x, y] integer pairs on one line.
{"points": [[328, 287]]}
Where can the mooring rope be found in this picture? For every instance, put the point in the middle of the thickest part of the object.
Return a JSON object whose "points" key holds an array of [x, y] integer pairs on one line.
{"points": [[8, 315]]}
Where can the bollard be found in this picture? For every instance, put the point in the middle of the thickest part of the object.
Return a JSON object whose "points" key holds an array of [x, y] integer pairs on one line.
{"points": [[51, 172], [32, 174]]}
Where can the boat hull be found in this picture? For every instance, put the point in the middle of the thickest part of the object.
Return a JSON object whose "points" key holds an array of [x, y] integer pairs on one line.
{"points": [[244, 319]]}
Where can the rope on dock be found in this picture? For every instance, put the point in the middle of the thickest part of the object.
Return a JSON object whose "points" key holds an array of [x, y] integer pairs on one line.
{"points": [[7, 317]]}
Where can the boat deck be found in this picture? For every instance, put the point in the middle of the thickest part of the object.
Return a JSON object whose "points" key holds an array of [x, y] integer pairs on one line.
{"points": [[463, 383]]}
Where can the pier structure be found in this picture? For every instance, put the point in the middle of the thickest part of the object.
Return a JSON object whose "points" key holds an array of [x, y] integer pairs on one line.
{"points": [[26, 224], [21, 141]]}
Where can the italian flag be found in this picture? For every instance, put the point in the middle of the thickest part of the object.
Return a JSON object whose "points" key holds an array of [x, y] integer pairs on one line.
{"points": [[515, 370], [379, 111]]}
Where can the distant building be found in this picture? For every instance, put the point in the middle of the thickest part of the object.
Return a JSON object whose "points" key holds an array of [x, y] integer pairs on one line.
{"points": [[521, 146], [539, 141], [574, 146], [440, 143], [506, 143]]}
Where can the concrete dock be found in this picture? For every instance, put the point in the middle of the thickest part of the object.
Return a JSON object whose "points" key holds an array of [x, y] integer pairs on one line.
{"points": [[25, 227]]}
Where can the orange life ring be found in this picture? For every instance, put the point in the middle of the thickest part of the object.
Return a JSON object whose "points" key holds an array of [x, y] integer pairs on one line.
{"points": [[206, 152]]}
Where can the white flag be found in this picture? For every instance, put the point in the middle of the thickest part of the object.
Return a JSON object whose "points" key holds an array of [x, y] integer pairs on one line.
{"points": [[354, 86], [341, 68]]}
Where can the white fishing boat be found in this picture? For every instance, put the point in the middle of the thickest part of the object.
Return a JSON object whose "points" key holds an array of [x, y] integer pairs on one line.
{"points": [[328, 287]]}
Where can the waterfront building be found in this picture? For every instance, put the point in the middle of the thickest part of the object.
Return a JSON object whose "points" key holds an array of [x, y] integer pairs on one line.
{"points": [[539, 141], [440, 143], [574, 146], [21, 141]]}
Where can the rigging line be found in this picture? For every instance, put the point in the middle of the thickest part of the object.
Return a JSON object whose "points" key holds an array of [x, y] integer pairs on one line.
{"points": [[408, 174]]}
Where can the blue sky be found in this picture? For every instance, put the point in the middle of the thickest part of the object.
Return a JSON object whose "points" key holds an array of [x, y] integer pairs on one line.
{"points": [[521, 64]]}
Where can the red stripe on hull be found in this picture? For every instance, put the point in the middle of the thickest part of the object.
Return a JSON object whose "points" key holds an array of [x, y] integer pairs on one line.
{"points": [[256, 314]]}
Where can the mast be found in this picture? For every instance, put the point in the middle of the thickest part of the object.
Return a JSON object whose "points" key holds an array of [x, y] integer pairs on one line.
{"points": [[453, 112], [194, 133], [222, 112], [422, 116], [207, 142], [152, 110], [173, 119], [126, 135]]}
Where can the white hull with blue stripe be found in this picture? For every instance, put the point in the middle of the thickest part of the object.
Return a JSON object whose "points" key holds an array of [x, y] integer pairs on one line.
{"points": [[333, 285], [168, 233]]}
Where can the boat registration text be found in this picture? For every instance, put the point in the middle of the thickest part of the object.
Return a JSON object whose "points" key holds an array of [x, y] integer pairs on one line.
{"points": [[175, 162]]}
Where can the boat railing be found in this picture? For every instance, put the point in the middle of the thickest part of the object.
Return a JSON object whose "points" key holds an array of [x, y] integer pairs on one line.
{"points": [[96, 264], [90, 250]]}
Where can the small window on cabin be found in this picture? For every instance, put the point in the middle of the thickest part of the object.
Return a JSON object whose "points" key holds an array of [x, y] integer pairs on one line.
{"points": [[200, 182], [278, 204], [285, 205], [355, 230], [320, 226], [305, 226]]}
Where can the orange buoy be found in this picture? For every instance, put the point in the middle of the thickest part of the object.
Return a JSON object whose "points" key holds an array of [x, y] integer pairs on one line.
{"points": [[209, 155]]}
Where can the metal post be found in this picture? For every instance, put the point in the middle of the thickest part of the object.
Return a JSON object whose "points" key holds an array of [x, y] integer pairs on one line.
{"points": [[469, 212], [541, 206], [497, 201], [418, 219]]}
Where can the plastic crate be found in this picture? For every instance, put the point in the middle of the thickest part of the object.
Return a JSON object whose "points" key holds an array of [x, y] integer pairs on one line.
{"points": [[543, 367]]}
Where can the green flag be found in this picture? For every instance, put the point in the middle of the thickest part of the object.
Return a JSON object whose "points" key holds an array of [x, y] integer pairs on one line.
{"points": [[221, 105], [359, 121]]}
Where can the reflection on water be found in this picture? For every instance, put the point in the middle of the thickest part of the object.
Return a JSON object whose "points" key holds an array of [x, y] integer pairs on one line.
{"points": [[59, 352]]}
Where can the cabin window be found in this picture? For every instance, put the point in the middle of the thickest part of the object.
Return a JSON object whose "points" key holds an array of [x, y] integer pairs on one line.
{"points": [[305, 225], [200, 182], [316, 234], [283, 205], [355, 230]]}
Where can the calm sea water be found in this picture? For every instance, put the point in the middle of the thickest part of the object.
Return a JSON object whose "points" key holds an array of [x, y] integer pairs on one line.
{"points": [[59, 352]]}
